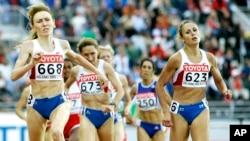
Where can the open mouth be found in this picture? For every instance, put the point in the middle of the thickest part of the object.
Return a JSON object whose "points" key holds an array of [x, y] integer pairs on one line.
{"points": [[194, 38], [46, 29]]}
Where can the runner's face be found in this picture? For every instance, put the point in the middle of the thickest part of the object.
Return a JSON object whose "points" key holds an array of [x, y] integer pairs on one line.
{"points": [[147, 70], [66, 68], [190, 34], [90, 53], [43, 24], [106, 56]]}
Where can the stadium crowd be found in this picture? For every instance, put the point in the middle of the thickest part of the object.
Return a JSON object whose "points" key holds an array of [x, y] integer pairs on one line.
{"points": [[141, 28]]}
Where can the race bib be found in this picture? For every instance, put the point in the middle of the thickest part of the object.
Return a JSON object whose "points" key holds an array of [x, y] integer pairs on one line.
{"points": [[146, 101], [31, 100], [49, 68], [174, 107], [112, 92], [195, 75], [89, 84]]}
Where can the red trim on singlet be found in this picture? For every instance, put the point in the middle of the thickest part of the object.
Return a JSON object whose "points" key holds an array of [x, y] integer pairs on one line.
{"points": [[179, 79], [33, 73]]}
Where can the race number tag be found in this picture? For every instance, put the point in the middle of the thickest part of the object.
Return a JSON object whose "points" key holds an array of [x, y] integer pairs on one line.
{"points": [[146, 101], [195, 75], [112, 92], [31, 100], [174, 107], [89, 84], [74, 96], [50, 68], [75, 99]]}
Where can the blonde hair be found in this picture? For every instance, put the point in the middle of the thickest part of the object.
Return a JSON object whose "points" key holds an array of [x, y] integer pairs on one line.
{"points": [[181, 26], [105, 48], [32, 10]]}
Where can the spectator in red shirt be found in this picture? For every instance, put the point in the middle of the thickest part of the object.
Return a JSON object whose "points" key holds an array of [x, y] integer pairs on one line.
{"points": [[158, 51]]}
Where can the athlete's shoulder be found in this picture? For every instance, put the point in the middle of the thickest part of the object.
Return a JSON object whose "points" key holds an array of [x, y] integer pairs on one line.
{"points": [[26, 46], [175, 57], [107, 67], [64, 43], [209, 55], [211, 59], [75, 69], [174, 60]]}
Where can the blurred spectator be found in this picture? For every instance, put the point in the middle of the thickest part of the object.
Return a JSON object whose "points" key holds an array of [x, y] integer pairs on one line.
{"points": [[140, 22], [79, 21], [246, 68], [205, 9], [134, 75], [246, 73], [226, 66], [221, 7], [237, 86], [219, 56], [242, 2], [139, 42], [5, 95], [134, 54], [212, 92], [121, 61], [121, 38], [158, 50], [213, 24], [127, 19], [159, 63]]}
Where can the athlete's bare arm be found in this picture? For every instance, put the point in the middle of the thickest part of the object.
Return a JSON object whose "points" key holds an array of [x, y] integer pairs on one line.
{"points": [[78, 59], [164, 78], [114, 81], [127, 103], [22, 65], [133, 91], [72, 77], [21, 103], [130, 119], [222, 87]]}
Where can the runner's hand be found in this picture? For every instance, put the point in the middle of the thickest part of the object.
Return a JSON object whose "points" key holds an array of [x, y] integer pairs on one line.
{"points": [[107, 108], [228, 94], [37, 57], [126, 111], [166, 121], [103, 80]]}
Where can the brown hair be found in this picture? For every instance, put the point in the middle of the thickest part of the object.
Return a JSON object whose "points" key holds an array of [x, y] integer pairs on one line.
{"points": [[86, 42], [182, 24], [149, 60], [32, 10]]}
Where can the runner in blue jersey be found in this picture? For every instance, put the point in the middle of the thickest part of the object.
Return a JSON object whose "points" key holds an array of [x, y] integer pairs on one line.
{"points": [[150, 114]]}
